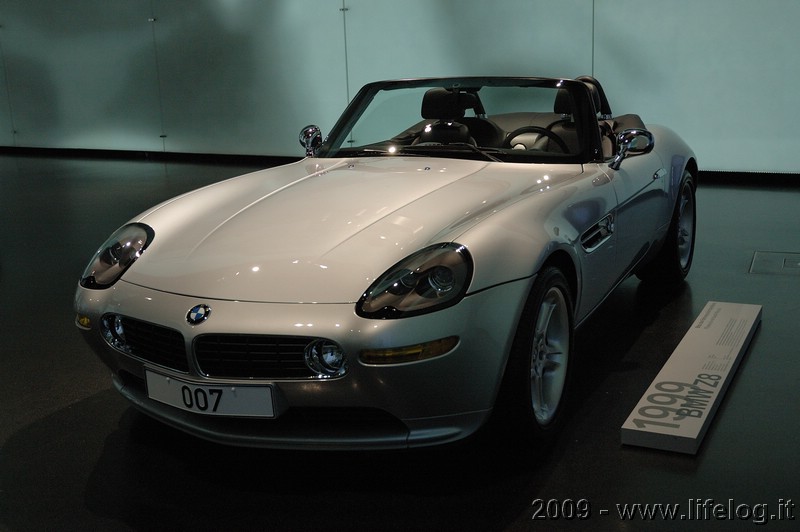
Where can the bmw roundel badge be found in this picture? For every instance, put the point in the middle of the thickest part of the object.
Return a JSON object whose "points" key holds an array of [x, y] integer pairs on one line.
{"points": [[198, 314]]}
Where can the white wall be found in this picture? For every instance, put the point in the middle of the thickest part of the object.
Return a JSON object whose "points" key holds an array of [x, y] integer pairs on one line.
{"points": [[722, 74], [243, 76]]}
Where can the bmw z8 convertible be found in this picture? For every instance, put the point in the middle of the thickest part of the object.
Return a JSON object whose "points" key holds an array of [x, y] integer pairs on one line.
{"points": [[425, 264]]}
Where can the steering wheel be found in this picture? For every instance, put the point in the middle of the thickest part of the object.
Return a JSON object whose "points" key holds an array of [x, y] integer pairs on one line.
{"points": [[536, 129]]}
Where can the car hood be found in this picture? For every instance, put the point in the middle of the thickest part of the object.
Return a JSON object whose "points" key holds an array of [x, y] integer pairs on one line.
{"points": [[320, 230]]}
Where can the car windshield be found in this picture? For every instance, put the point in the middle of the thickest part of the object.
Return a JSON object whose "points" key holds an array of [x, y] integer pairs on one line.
{"points": [[495, 119]]}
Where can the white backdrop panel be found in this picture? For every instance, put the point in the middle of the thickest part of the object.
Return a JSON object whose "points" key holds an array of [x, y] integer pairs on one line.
{"points": [[7, 130], [418, 38], [720, 73], [81, 74], [244, 77]]}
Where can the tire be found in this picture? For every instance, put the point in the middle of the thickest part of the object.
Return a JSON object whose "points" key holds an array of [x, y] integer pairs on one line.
{"points": [[539, 369], [674, 260]]}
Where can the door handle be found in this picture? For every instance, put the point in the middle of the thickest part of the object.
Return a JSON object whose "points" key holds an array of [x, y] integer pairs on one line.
{"points": [[661, 172]]}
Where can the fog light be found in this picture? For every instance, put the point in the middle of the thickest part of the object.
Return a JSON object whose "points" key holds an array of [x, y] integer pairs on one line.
{"points": [[325, 358], [411, 353], [114, 332]]}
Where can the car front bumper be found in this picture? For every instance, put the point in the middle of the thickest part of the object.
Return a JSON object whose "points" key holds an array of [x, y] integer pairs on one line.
{"points": [[426, 402]]}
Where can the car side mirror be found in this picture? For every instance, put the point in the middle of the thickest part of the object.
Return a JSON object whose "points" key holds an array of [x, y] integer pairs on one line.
{"points": [[632, 142], [311, 139]]}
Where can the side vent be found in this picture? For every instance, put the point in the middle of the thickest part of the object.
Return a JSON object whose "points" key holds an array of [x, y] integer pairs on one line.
{"points": [[597, 234]]}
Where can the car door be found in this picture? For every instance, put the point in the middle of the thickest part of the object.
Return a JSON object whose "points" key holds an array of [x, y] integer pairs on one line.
{"points": [[592, 212], [641, 187]]}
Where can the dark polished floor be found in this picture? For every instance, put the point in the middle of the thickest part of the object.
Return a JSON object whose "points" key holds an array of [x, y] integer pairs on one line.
{"points": [[74, 456]]}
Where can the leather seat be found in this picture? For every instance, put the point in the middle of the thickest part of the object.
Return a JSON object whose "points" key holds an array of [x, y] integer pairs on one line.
{"points": [[447, 108]]}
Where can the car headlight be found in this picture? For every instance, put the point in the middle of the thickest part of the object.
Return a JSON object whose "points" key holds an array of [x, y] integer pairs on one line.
{"points": [[116, 255], [431, 279]]}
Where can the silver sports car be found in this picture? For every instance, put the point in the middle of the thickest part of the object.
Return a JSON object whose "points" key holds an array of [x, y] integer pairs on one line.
{"points": [[425, 264]]}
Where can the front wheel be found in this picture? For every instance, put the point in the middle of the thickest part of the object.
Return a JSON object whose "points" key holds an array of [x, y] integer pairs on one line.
{"points": [[540, 364]]}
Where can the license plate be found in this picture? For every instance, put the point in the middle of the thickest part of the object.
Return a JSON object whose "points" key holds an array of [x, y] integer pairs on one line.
{"points": [[213, 400]]}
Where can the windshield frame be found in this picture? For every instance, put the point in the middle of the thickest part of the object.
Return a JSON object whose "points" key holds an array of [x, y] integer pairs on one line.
{"points": [[585, 119]]}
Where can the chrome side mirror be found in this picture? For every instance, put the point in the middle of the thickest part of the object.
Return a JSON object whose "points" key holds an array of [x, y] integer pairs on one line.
{"points": [[311, 139], [632, 142]]}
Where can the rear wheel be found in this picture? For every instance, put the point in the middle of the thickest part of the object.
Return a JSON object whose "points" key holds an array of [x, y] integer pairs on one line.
{"points": [[539, 368], [674, 260]]}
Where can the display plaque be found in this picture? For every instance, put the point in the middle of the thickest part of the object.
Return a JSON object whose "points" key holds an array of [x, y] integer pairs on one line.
{"points": [[678, 407]]}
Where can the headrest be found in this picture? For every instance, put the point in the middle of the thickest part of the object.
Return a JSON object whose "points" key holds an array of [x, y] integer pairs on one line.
{"points": [[605, 107], [595, 94], [443, 104], [563, 103]]}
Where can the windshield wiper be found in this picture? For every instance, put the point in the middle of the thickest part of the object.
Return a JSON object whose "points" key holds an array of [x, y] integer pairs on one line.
{"points": [[482, 151], [457, 145], [362, 152], [374, 152]]}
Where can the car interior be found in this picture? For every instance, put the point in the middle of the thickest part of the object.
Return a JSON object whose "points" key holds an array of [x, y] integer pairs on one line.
{"points": [[458, 117]]}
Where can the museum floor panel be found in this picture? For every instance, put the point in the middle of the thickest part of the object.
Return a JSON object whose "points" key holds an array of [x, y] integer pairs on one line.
{"points": [[75, 456]]}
